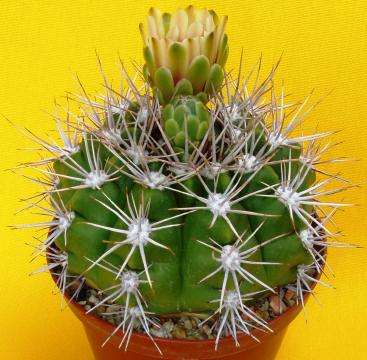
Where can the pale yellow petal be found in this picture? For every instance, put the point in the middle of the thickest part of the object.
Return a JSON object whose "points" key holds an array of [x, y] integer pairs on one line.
{"points": [[173, 34], [143, 34], [153, 11], [152, 28], [182, 23], [202, 44], [195, 29], [169, 42], [209, 24], [219, 36], [199, 15], [185, 44], [193, 49], [157, 15], [190, 10], [159, 50]]}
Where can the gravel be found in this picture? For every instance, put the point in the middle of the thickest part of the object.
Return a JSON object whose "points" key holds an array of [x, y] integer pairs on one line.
{"points": [[188, 326]]}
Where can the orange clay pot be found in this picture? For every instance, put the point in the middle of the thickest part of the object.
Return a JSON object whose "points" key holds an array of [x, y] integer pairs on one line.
{"points": [[142, 348]]}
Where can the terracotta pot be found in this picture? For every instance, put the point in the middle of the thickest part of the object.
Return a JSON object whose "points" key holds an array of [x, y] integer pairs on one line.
{"points": [[142, 348]]}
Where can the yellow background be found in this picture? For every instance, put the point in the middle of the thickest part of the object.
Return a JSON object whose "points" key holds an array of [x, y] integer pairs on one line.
{"points": [[44, 43]]}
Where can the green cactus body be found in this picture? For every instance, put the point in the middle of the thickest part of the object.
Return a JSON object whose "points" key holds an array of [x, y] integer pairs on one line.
{"points": [[176, 273], [186, 121]]}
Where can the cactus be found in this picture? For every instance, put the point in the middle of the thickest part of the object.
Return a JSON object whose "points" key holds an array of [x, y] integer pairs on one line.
{"points": [[192, 198]]}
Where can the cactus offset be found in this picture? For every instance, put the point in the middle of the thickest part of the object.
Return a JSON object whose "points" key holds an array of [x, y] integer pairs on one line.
{"points": [[188, 194]]}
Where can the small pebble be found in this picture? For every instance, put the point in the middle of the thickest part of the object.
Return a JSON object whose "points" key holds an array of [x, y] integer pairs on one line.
{"points": [[101, 310], [206, 329], [289, 295], [92, 299], [188, 324], [277, 304], [266, 315], [179, 333], [195, 321], [264, 306], [168, 326], [159, 332]]}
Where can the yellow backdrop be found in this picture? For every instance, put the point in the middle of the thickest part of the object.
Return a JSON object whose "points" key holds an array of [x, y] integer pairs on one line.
{"points": [[44, 43]]}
